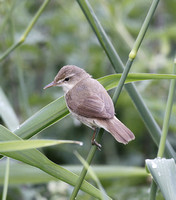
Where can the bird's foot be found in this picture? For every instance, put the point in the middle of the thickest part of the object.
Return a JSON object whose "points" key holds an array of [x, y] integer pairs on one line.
{"points": [[94, 142]]}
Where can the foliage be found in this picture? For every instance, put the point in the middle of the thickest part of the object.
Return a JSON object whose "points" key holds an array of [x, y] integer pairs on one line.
{"points": [[60, 36]]}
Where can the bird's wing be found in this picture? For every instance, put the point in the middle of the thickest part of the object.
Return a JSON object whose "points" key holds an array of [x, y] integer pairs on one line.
{"points": [[90, 104]]}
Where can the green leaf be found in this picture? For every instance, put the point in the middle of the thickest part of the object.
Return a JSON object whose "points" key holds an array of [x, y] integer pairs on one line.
{"points": [[35, 158], [48, 115], [111, 81], [57, 109], [19, 145], [164, 173], [7, 113], [21, 173]]}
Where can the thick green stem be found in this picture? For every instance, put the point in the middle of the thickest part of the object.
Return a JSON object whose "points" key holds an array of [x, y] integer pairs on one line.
{"points": [[26, 32]]}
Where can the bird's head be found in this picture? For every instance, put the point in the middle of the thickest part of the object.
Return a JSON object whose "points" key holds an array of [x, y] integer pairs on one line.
{"points": [[67, 77]]}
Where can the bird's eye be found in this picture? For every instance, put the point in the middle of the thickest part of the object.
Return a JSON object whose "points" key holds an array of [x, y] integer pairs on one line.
{"points": [[66, 79]]}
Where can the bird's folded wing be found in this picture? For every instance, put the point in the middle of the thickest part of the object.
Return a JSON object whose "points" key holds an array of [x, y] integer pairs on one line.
{"points": [[91, 106]]}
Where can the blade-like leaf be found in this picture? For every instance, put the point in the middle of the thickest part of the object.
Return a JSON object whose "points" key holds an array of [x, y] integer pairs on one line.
{"points": [[21, 173], [35, 158], [10, 119], [19, 145], [48, 115], [111, 81], [7, 113], [164, 173], [57, 109]]}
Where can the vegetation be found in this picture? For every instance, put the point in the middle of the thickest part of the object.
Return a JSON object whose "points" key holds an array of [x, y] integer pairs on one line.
{"points": [[134, 38]]}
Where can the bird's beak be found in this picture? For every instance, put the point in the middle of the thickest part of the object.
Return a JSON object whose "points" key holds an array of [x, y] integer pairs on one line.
{"points": [[50, 85]]}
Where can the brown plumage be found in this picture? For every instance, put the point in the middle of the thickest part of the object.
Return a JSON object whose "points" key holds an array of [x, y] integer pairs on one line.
{"points": [[89, 102]]}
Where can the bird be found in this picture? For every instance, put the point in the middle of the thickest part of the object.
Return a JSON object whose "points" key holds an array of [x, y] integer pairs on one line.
{"points": [[89, 102]]}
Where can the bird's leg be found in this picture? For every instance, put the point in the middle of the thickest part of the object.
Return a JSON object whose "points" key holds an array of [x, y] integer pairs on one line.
{"points": [[94, 142]]}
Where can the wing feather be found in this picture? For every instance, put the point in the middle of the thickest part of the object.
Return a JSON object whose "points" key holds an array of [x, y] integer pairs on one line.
{"points": [[91, 103]]}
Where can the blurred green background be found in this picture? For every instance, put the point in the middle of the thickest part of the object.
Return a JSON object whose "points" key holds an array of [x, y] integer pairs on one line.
{"points": [[63, 36]]}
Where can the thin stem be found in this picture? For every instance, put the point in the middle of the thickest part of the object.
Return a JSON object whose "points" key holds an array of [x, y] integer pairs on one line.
{"points": [[6, 179], [167, 114], [143, 29], [93, 176], [153, 190], [135, 48], [122, 80], [26, 32], [88, 161], [165, 128]]}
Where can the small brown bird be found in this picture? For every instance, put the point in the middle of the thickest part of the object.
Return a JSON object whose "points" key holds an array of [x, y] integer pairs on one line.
{"points": [[90, 103]]}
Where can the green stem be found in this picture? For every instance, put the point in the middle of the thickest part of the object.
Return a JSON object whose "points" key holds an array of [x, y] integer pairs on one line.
{"points": [[6, 180], [167, 114], [143, 29], [84, 170], [165, 128], [26, 32], [122, 80], [153, 191], [135, 48]]}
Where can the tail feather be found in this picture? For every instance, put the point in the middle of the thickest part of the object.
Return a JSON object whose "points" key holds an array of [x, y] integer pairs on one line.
{"points": [[118, 130]]}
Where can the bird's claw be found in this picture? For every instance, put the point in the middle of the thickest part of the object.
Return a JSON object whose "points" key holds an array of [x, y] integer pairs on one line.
{"points": [[94, 142]]}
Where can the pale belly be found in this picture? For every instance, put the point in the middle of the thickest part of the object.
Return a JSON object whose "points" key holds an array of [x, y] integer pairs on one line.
{"points": [[90, 122], [87, 121]]}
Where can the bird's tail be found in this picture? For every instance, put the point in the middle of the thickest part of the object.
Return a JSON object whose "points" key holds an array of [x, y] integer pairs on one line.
{"points": [[118, 130]]}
